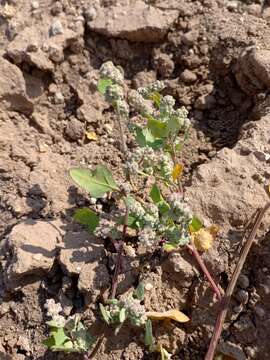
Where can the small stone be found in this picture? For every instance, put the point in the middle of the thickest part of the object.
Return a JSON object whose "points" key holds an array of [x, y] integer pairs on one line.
{"points": [[190, 37], [35, 5], [59, 98], [56, 28], [188, 76], [90, 14], [57, 8], [237, 309], [205, 102], [32, 47], [92, 201], [164, 65], [259, 311], [56, 53], [108, 128], [148, 287], [243, 281], [52, 89], [242, 296], [232, 5], [75, 129]]}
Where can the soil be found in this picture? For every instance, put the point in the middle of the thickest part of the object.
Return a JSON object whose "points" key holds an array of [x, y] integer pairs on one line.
{"points": [[214, 57]]}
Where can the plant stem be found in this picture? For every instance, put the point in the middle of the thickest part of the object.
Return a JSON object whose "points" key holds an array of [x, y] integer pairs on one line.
{"points": [[119, 255], [238, 268], [122, 135], [199, 259]]}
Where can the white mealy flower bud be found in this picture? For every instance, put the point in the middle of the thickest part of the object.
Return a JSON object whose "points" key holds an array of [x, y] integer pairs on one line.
{"points": [[109, 71], [137, 101], [148, 236], [53, 308], [122, 108], [107, 229], [166, 105], [114, 93]]}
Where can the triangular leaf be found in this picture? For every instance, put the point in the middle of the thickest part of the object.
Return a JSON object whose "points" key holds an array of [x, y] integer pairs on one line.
{"points": [[157, 198], [103, 84], [158, 128], [144, 137], [195, 225], [97, 182], [86, 217], [49, 342], [59, 336]]}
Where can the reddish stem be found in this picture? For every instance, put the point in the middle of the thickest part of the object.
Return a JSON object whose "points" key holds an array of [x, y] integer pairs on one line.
{"points": [[197, 256]]}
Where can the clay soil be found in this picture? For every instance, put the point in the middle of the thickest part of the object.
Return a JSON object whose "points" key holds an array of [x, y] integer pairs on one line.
{"points": [[214, 57]]}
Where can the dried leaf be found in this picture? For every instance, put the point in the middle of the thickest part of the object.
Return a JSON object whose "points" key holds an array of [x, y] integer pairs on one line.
{"points": [[174, 314], [91, 135], [177, 171], [204, 238]]}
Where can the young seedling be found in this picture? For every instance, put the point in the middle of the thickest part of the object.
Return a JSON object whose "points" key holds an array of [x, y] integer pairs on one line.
{"points": [[160, 131], [67, 335]]}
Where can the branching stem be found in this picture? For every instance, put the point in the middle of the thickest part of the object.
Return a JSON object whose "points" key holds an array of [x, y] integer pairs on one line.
{"points": [[238, 268]]}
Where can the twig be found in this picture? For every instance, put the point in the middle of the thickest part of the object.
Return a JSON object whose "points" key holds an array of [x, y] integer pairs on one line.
{"points": [[197, 256], [226, 299]]}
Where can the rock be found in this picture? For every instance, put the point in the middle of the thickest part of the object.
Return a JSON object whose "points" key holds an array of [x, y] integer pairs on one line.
{"points": [[230, 193], [164, 65], [188, 76], [59, 98], [190, 37], [231, 350], [56, 28], [205, 102], [57, 8], [32, 246], [80, 248], [93, 279], [147, 23], [242, 296], [90, 14], [181, 269], [48, 46], [13, 94], [144, 78], [243, 281], [75, 129], [253, 70]]}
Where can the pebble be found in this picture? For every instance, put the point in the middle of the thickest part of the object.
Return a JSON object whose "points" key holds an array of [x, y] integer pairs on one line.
{"points": [[205, 102], [59, 98], [90, 14], [32, 47], [188, 76], [243, 281], [242, 296], [148, 286], [57, 8], [259, 311], [56, 28], [35, 5], [108, 128], [74, 129], [92, 201]]}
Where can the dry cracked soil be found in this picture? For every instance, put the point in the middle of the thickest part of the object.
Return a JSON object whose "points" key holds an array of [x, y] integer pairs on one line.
{"points": [[214, 57]]}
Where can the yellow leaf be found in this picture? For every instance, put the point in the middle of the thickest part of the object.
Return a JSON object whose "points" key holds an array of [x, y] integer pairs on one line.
{"points": [[91, 135], [203, 239], [177, 171], [171, 314]]}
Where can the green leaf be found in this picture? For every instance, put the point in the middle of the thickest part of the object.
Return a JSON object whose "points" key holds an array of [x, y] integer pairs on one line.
{"points": [[155, 194], [148, 336], [84, 340], [105, 314], [155, 97], [86, 217], [122, 315], [49, 342], [66, 347], [195, 225], [59, 336], [144, 137], [157, 198], [97, 182], [139, 292], [103, 84], [174, 125], [158, 128], [169, 247]]}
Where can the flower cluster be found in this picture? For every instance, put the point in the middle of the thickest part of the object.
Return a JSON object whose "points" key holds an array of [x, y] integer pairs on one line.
{"points": [[53, 311], [109, 71], [150, 161], [107, 228], [129, 309]]}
